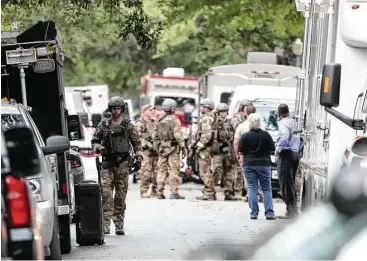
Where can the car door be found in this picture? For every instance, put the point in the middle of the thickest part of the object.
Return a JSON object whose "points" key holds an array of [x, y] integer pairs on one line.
{"points": [[50, 160]]}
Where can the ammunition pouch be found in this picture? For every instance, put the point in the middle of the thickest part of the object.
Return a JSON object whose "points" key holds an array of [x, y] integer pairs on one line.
{"points": [[114, 160], [216, 148]]}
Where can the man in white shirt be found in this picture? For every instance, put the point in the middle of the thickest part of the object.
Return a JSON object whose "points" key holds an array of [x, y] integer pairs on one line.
{"points": [[242, 129]]}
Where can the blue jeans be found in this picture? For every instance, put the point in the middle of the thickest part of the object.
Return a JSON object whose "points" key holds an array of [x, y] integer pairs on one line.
{"points": [[254, 174]]}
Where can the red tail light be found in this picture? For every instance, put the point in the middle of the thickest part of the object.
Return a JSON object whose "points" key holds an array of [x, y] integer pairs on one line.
{"points": [[18, 201], [87, 152], [65, 189]]}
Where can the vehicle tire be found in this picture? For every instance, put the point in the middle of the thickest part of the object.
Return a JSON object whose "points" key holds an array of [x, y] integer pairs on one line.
{"points": [[65, 237], [55, 249]]}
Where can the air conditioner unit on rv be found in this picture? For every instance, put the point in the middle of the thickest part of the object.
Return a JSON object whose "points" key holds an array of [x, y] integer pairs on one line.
{"points": [[261, 57], [170, 71]]}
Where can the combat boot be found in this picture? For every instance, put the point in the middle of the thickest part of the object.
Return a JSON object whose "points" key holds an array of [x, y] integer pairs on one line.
{"points": [[145, 195], [229, 197], [107, 228], [161, 196], [204, 197], [238, 196], [120, 230], [176, 196], [154, 193]]}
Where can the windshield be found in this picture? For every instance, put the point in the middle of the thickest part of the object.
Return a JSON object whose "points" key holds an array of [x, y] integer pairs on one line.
{"points": [[188, 104], [10, 120], [364, 108], [269, 117], [269, 114]]}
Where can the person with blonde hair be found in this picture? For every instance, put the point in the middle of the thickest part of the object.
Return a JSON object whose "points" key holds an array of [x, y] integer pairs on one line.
{"points": [[255, 147]]}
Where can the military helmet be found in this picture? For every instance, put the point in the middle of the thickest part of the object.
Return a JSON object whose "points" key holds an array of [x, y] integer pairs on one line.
{"points": [[169, 104], [207, 103], [222, 107], [245, 102], [116, 101]]}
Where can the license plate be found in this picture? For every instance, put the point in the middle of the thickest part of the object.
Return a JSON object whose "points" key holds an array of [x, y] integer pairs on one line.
{"points": [[64, 210], [274, 174]]}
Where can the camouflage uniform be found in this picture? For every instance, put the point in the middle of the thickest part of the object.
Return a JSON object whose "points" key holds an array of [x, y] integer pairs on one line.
{"points": [[149, 168], [222, 164], [114, 175], [239, 180], [204, 149], [167, 140]]}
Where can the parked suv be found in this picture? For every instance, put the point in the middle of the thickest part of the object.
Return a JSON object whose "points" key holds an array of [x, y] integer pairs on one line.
{"points": [[21, 234], [43, 185]]}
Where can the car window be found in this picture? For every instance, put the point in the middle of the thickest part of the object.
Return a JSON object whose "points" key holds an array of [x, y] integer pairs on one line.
{"points": [[187, 103], [364, 108], [269, 117], [35, 130], [12, 119], [358, 107]]}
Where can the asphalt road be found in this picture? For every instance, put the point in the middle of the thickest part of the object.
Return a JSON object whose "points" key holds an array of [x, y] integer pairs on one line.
{"points": [[173, 229]]}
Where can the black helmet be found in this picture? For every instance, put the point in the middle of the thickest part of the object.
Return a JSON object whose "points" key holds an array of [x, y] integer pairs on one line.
{"points": [[116, 101]]}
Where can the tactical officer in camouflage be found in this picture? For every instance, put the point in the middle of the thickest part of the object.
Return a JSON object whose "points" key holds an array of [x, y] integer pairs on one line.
{"points": [[112, 138], [238, 118], [204, 147], [149, 168], [168, 142], [222, 163]]}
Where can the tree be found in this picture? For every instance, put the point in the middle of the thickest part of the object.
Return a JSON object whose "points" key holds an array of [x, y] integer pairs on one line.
{"points": [[127, 14], [91, 35], [227, 30]]}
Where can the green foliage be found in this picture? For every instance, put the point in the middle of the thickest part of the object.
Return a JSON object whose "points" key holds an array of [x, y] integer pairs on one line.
{"points": [[227, 30], [116, 41]]}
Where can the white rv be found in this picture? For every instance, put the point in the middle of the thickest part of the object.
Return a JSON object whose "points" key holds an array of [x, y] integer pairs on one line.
{"points": [[335, 32], [261, 69]]}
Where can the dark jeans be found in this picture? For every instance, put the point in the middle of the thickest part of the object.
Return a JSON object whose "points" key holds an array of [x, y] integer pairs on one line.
{"points": [[287, 168], [254, 174]]}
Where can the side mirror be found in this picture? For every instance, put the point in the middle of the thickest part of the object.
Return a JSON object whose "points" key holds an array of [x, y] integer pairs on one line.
{"points": [[74, 128], [56, 144], [22, 151], [330, 86], [96, 118]]}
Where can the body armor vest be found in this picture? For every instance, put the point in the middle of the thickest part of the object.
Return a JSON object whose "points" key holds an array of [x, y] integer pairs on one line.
{"points": [[240, 117], [119, 138], [147, 130], [165, 128], [222, 132], [229, 128]]}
